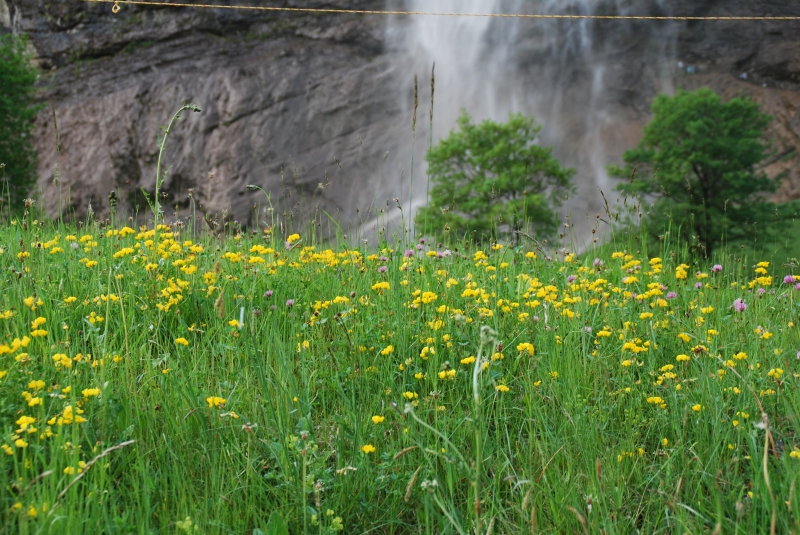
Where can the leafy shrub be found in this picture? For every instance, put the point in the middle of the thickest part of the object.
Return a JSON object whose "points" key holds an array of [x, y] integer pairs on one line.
{"points": [[698, 163], [492, 178], [17, 78]]}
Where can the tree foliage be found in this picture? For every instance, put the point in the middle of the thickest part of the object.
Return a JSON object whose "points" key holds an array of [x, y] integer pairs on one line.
{"points": [[17, 112], [492, 178], [698, 161]]}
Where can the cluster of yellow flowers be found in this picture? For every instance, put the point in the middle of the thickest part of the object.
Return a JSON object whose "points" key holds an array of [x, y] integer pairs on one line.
{"points": [[657, 333]]}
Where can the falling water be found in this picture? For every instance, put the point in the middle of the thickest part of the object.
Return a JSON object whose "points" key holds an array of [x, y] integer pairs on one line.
{"points": [[574, 76]]}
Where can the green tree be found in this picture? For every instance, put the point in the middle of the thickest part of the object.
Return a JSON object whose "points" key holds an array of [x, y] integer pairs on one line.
{"points": [[17, 112], [492, 178], [697, 163]]}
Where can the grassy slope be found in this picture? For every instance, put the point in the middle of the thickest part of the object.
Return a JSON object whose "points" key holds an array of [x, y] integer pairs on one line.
{"points": [[572, 444]]}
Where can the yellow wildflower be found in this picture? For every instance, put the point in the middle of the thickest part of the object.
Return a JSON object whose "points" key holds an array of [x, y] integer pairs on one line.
{"points": [[215, 401]]}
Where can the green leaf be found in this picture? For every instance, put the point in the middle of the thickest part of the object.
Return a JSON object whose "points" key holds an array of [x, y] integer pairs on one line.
{"points": [[276, 525]]}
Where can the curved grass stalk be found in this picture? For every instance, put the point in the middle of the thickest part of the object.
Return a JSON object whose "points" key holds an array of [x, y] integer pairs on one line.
{"points": [[156, 206]]}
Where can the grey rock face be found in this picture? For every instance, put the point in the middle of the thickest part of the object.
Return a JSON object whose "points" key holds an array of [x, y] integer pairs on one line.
{"points": [[283, 98], [308, 106]]}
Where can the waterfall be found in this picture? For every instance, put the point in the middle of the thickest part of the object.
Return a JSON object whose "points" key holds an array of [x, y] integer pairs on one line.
{"points": [[573, 75]]}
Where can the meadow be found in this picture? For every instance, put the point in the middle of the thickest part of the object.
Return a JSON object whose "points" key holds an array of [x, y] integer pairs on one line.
{"points": [[158, 380]]}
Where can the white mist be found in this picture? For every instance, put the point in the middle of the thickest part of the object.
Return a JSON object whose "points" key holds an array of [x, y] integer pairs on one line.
{"points": [[570, 74]]}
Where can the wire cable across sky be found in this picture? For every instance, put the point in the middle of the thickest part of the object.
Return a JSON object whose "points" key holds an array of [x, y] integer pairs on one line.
{"points": [[118, 3]]}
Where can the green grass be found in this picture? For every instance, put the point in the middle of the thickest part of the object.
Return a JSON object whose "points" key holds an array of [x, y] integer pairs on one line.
{"points": [[573, 445], [784, 245]]}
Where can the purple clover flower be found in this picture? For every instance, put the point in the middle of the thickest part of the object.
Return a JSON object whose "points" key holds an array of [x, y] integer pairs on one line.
{"points": [[698, 285], [671, 295], [789, 279], [420, 247], [383, 259], [290, 302], [408, 253], [382, 269], [571, 279], [739, 305], [268, 294], [797, 287], [597, 262], [716, 268], [761, 291]]}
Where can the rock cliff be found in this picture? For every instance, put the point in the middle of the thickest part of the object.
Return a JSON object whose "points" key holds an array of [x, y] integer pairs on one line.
{"points": [[316, 108]]}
